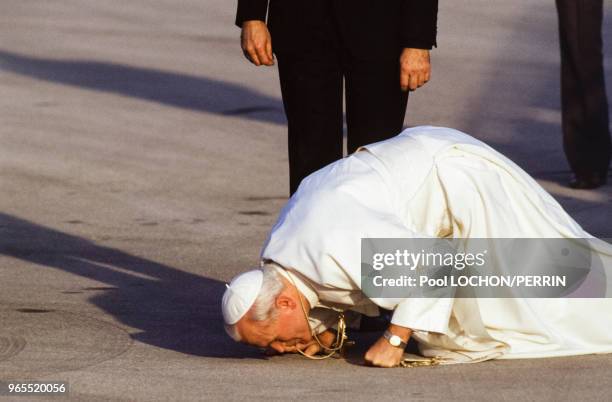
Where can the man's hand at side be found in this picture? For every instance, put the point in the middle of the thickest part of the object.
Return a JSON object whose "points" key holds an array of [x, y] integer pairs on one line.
{"points": [[256, 43], [415, 68], [383, 354]]}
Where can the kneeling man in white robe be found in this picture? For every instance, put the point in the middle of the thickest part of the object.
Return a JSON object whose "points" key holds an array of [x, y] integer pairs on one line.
{"points": [[426, 182]]}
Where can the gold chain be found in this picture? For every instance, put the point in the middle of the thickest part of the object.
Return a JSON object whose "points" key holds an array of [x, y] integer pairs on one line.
{"points": [[432, 361], [342, 340], [341, 337]]}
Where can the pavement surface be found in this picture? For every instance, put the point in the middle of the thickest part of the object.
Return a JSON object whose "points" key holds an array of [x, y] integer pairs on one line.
{"points": [[143, 161]]}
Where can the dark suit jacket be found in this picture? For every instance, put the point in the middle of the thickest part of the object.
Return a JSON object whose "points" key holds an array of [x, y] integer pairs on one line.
{"points": [[368, 27]]}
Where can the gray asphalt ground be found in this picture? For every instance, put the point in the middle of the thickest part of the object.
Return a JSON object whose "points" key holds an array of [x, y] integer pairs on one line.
{"points": [[143, 161]]}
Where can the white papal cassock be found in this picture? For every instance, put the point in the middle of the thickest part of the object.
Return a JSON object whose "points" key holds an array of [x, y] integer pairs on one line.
{"points": [[435, 182]]}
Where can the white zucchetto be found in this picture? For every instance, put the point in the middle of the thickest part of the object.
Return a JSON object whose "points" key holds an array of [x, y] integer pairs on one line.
{"points": [[240, 295]]}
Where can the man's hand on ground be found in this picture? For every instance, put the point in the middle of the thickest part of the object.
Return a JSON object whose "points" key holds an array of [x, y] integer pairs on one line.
{"points": [[415, 68], [311, 348], [383, 354], [327, 338], [256, 43]]}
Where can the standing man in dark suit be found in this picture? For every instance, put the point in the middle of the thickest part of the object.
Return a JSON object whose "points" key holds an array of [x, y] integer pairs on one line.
{"points": [[586, 135], [377, 49]]}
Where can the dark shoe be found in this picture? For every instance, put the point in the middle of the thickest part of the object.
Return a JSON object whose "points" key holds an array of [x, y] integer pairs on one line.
{"points": [[588, 181]]}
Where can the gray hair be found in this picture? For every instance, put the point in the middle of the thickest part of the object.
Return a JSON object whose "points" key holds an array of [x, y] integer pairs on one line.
{"points": [[263, 308]]}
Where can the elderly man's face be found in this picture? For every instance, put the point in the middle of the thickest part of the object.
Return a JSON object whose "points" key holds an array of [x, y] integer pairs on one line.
{"points": [[288, 329]]}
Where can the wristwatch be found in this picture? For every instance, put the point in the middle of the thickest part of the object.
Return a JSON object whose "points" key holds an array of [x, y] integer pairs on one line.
{"points": [[394, 340]]}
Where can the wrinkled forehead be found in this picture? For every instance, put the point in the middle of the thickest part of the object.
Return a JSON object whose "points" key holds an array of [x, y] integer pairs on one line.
{"points": [[255, 333]]}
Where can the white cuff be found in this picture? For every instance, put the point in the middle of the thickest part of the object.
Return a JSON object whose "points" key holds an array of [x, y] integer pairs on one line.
{"points": [[424, 314]]}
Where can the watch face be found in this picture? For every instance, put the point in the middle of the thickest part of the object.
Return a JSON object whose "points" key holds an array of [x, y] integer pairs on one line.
{"points": [[395, 340]]}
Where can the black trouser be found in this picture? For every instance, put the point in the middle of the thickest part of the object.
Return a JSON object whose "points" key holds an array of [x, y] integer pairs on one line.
{"points": [[586, 136], [312, 84]]}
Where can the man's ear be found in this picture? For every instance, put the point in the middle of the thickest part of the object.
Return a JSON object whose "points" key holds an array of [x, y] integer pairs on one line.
{"points": [[285, 302]]}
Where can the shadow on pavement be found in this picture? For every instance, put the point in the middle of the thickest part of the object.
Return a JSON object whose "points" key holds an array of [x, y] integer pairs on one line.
{"points": [[514, 78], [173, 309], [168, 88]]}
